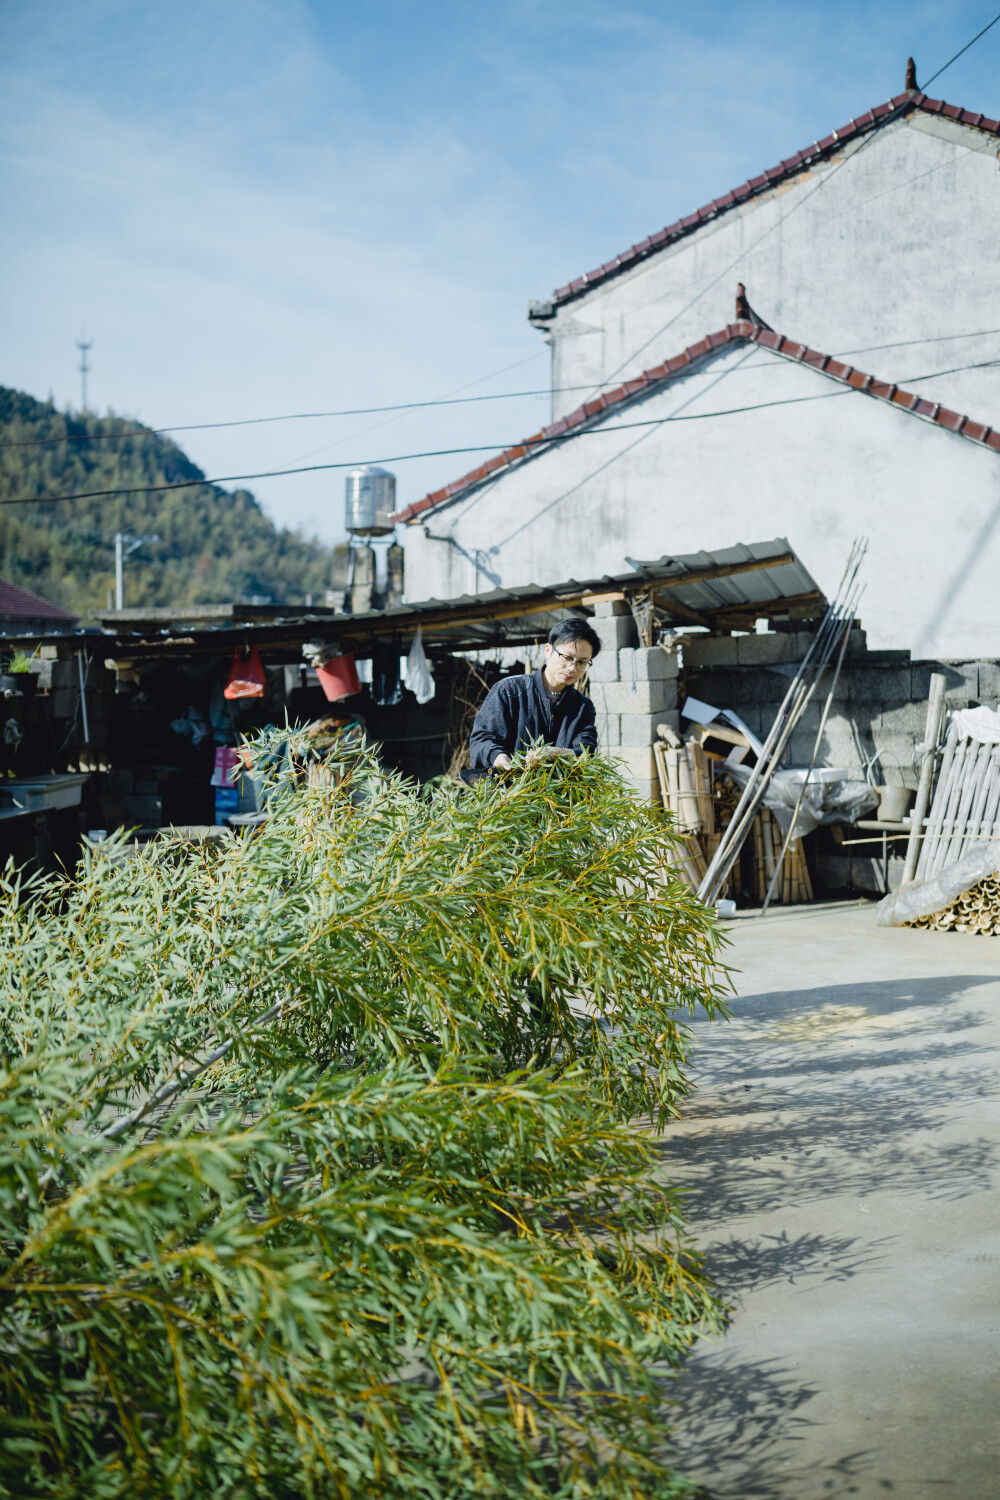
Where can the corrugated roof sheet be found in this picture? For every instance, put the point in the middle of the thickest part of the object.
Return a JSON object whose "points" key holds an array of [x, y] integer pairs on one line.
{"points": [[722, 588]]}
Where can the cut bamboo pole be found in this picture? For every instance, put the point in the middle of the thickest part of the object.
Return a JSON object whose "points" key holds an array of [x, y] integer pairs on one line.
{"points": [[936, 817], [687, 797], [659, 758], [949, 817], [932, 734], [700, 764]]}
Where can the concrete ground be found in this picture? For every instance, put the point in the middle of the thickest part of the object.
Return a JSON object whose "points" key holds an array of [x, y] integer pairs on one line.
{"points": [[840, 1155]]}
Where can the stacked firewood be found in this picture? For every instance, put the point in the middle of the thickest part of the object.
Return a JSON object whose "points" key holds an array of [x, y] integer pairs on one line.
{"points": [[976, 910]]}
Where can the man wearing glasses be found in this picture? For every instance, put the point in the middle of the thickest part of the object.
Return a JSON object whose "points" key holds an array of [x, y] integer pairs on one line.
{"points": [[542, 705]]}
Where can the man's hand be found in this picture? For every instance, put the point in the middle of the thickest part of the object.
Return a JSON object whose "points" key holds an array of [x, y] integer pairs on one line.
{"points": [[542, 753], [502, 762]]}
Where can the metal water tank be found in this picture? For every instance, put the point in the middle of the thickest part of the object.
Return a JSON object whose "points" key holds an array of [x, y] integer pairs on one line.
{"points": [[371, 501]]}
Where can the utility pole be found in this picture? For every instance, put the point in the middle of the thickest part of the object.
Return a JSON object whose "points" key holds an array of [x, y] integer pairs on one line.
{"points": [[121, 552], [84, 346]]}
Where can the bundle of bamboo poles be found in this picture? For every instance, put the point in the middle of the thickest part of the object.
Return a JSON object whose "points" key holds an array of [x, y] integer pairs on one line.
{"points": [[794, 884], [686, 790], [966, 806], [833, 633], [975, 910], [703, 798]]}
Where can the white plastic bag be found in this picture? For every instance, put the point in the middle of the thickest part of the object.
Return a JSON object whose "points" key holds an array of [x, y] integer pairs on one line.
{"points": [[419, 677], [924, 898]]}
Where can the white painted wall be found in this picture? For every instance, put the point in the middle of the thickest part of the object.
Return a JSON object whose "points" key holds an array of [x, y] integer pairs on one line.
{"points": [[895, 241], [820, 471]]}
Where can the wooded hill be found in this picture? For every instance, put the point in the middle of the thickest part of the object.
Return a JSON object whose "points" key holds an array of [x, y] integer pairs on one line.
{"points": [[214, 546]]}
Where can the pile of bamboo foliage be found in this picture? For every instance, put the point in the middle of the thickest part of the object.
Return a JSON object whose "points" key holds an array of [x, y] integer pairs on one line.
{"points": [[316, 1176]]}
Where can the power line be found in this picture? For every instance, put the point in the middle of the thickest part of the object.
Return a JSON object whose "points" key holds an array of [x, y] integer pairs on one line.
{"points": [[303, 416], [536, 445], [888, 119], [958, 54], [297, 416]]}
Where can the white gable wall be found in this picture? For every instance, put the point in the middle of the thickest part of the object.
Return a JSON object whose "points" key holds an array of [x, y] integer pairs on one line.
{"points": [[899, 243], [819, 471]]}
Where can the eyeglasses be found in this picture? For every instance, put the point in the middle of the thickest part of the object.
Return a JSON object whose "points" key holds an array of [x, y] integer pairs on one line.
{"points": [[578, 663]]}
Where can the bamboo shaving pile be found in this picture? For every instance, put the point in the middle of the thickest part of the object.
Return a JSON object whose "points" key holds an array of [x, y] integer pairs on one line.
{"points": [[976, 910]]}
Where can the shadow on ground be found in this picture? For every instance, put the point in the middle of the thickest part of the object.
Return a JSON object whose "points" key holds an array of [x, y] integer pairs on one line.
{"points": [[832, 1091]]}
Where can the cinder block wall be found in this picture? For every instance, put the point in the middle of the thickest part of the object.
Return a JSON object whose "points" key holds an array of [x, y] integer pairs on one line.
{"points": [[634, 688], [880, 704]]}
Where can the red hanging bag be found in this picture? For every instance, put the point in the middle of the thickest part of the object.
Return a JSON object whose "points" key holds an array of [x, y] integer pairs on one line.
{"points": [[246, 676]]}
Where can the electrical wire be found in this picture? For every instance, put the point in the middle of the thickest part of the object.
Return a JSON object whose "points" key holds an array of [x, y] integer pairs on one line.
{"points": [[538, 445], [849, 155], [924, 87], [355, 411]]}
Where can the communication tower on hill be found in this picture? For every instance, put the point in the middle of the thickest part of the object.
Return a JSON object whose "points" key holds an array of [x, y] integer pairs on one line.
{"points": [[84, 346]]}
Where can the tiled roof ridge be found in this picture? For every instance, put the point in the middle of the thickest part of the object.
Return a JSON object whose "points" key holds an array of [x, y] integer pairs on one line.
{"points": [[835, 369], [792, 164], [15, 600]]}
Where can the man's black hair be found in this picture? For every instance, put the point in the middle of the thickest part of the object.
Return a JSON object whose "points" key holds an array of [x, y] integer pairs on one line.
{"points": [[574, 630]]}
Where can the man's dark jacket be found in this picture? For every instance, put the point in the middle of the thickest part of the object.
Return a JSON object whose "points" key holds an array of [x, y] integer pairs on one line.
{"points": [[518, 712]]}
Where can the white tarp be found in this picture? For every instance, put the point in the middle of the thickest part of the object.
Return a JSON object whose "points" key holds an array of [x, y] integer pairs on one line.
{"points": [[982, 724]]}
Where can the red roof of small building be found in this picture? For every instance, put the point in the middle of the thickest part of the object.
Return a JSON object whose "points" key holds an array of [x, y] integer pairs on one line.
{"points": [[20, 604], [591, 411], [901, 104]]}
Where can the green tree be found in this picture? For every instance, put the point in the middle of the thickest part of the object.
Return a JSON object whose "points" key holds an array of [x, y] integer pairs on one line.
{"points": [[214, 546]]}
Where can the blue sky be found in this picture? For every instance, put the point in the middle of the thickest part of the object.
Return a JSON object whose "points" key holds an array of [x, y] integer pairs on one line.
{"points": [[255, 207]]}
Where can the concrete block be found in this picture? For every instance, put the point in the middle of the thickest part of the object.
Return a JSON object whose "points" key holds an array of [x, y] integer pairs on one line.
{"points": [[710, 651], [616, 632], [65, 674], [637, 761], [857, 646], [896, 761], [646, 791], [646, 664], [607, 609], [119, 779], [904, 718], [989, 683], [608, 732], [639, 729], [605, 667], [766, 650], [961, 683], [640, 698], [879, 687]]}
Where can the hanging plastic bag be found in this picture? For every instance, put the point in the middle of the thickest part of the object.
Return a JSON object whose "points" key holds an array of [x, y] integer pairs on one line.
{"points": [[246, 676], [419, 677]]}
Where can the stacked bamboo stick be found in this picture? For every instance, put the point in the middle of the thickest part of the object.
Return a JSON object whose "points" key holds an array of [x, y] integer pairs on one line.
{"points": [[685, 787], [794, 884], [696, 788], [975, 910]]}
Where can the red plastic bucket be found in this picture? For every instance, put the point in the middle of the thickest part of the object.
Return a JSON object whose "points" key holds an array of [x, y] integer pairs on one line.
{"points": [[339, 678]]}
